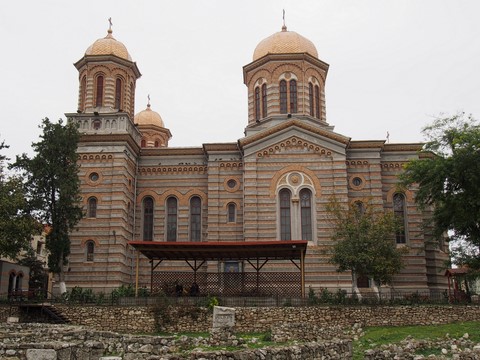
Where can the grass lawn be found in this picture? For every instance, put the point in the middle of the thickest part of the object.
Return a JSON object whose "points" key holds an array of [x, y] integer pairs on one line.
{"points": [[377, 336]]}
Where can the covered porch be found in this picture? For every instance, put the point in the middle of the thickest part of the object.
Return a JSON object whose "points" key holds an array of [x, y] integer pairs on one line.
{"points": [[255, 254]]}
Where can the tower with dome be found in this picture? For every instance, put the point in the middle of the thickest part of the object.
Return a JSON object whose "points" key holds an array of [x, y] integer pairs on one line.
{"points": [[231, 217]]}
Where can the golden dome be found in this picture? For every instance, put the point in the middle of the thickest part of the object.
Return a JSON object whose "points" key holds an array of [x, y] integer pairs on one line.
{"points": [[284, 42], [148, 117], [108, 46]]}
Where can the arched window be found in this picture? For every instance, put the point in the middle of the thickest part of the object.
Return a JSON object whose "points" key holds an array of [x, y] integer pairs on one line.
{"points": [[310, 99], [195, 219], [156, 143], [231, 212], [264, 100], [285, 217], [359, 207], [283, 97], [118, 94], [19, 281], [99, 95], [143, 143], [83, 93], [172, 209], [257, 103], [317, 102], [399, 211], [306, 213], [11, 282], [90, 250], [148, 218], [92, 207], [293, 96]]}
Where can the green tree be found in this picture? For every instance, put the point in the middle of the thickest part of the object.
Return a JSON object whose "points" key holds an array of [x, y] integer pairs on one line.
{"points": [[448, 180], [38, 277], [51, 178], [364, 243], [16, 222]]}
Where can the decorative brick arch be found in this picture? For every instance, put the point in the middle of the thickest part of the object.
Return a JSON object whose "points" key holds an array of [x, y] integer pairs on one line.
{"points": [[394, 190], [295, 168], [192, 193], [146, 193], [169, 193]]}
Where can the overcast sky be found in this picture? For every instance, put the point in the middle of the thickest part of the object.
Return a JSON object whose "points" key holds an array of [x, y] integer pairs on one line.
{"points": [[394, 65]]}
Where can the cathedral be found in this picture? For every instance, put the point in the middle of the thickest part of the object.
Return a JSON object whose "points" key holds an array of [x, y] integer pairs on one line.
{"points": [[271, 187]]}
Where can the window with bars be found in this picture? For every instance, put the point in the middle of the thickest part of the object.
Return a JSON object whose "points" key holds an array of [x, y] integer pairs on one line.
{"points": [[172, 209], [264, 100], [306, 213], [195, 219], [285, 217], [231, 212], [257, 103], [317, 101], [90, 250], [99, 88], [399, 211], [118, 94], [148, 218], [283, 97], [92, 207], [293, 96], [310, 99]]}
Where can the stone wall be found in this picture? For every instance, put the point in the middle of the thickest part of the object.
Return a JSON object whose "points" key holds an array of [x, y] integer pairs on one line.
{"points": [[259, 319], [65, 342]]}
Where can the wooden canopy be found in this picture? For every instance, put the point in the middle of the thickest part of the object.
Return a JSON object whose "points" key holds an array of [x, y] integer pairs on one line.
{"points": [[253, 252]]}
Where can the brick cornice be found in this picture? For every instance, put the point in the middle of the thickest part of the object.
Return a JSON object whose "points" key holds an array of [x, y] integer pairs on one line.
{"points": [[293, 123], [403, 147]]}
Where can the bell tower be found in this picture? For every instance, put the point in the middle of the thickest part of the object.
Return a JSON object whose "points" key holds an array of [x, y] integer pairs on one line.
{"points": [[108, 153], [285, 79]]}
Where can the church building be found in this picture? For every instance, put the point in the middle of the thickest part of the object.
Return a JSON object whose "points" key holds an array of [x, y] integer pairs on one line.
{"points": [[272, 185]]}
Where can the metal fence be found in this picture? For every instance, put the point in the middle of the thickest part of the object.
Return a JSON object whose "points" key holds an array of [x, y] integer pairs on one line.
{"points": [[323, 297]]}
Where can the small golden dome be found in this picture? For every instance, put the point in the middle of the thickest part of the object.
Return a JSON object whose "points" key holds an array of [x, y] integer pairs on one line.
{"points": [[109, 46], [284, 42], [149, 117]]}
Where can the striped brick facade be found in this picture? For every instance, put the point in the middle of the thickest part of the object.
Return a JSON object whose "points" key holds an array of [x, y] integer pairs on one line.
{"points": [[279, 150]]}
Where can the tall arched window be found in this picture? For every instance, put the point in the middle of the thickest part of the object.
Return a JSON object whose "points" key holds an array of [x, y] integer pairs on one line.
{"points": [[11, 282], [143, 143], [231, 212], [19, 282], [148, 218], [285, 217], [283, 97], [195, 219], [257, 103], [293, 96], [264, 100], [317, 102], [92, 207], [99, 95], [172, 209], [83, 93], [118, 94], [90, 250], [306, 213], [399, 211], [310, 99]]}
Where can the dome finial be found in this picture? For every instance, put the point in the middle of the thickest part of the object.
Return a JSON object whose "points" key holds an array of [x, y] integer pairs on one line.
{"points": [[284, 27], [110, 25], [148, 103]]}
